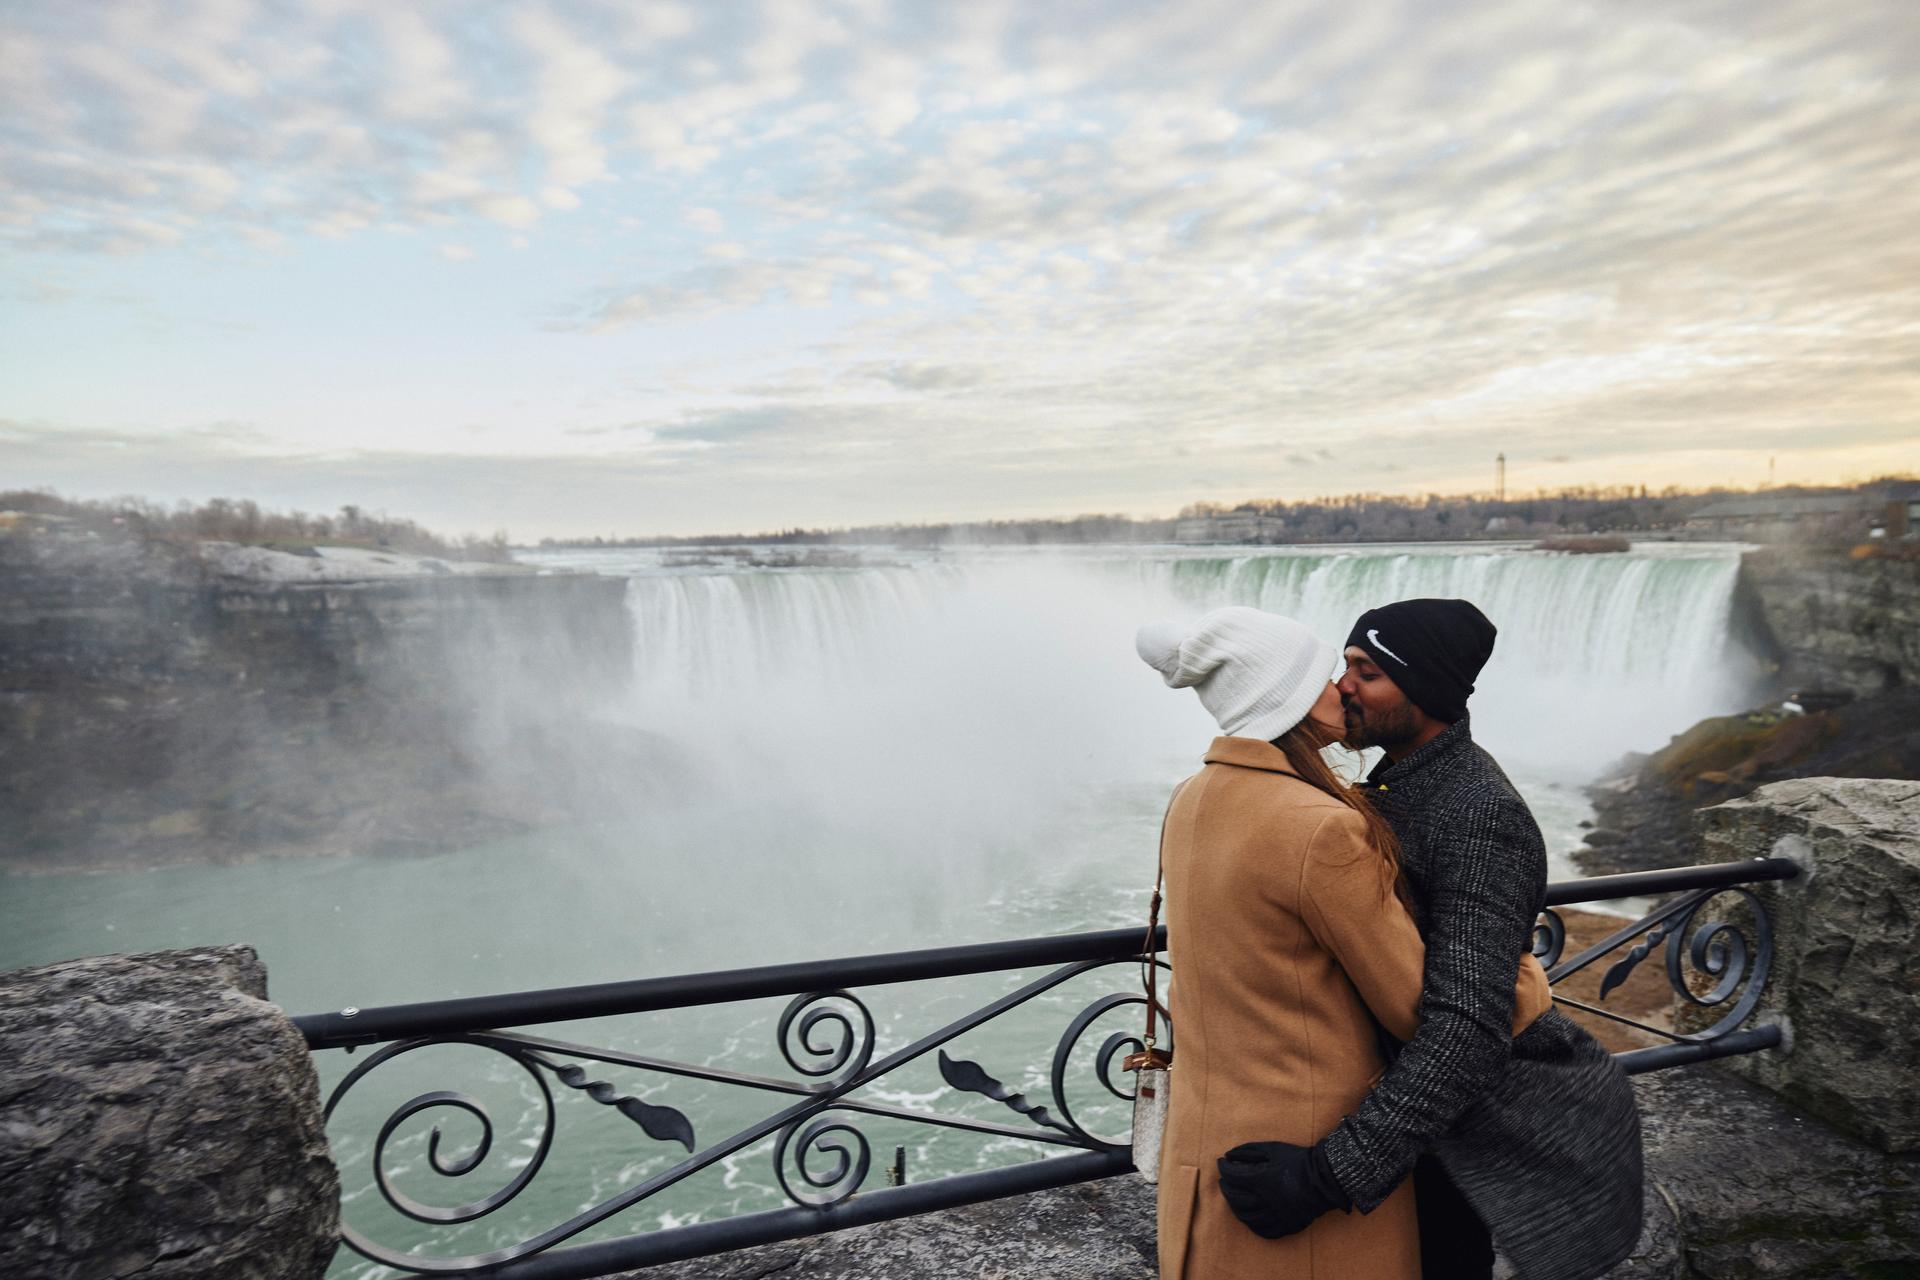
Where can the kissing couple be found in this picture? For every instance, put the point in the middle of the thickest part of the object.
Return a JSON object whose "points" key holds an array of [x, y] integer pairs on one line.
{"points": [[1371, 1081]]}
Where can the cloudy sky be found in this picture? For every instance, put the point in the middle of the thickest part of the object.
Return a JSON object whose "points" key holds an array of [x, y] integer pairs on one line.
{"points": [[576, 266]]}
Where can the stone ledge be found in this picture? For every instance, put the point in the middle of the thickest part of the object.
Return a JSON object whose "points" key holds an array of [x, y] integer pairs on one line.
{"points": [[1739, 1187]]}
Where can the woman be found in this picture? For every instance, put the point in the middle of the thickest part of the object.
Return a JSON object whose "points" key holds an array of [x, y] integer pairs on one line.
{"points": [[1288, 940]]}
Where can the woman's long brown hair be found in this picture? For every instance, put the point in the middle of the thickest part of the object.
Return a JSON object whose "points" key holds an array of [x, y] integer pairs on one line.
{"points": [[1301, 745]]}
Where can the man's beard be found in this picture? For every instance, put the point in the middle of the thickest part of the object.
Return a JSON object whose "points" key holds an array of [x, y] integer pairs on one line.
{"points": [[1379, 728]]}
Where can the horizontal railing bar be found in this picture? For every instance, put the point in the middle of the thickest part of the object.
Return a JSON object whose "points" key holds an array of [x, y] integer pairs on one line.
{"points": [[1637, 1062], [566, 1004], [1646, 884], [880, 1205]]}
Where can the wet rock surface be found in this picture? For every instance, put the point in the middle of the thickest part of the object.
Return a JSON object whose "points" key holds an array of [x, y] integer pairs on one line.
{"points": [[159, 1118]]}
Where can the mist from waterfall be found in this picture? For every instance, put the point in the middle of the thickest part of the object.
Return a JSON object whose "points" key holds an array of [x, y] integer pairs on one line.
{"points": [[982, 709]]}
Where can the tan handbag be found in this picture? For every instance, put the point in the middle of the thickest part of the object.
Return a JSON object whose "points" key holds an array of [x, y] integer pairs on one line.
{"points": [[1153, 1066]]}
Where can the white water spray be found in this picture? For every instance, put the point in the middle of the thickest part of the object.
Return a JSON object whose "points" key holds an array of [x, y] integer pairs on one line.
{"points": [[991, 702]]}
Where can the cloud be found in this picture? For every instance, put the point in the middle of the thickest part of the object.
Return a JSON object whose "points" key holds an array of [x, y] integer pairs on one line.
{"points": [[1030, 234], [725, 427], [931, 377]]}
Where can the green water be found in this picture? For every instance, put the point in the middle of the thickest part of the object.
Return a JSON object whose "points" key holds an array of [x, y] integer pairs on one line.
{"points": [[605, 904]]}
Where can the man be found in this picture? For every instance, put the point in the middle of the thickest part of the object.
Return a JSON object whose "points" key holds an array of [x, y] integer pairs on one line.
{"points": [[1530, 1141]]}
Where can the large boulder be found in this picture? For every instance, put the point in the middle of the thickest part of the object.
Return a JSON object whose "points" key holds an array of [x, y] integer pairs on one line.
{"points": [[1846, 965], [1644, 808], [159, 1118]]}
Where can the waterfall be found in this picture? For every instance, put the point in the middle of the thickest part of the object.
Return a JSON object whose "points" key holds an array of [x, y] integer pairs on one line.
{"points": [[1597, 654], [991, 700]]}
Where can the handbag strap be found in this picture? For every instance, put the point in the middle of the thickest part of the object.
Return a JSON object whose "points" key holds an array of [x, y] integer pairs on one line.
{"points": [[1153, 923]]}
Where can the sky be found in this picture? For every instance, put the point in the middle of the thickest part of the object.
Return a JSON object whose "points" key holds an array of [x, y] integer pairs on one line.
{"points": [[607, 267]]}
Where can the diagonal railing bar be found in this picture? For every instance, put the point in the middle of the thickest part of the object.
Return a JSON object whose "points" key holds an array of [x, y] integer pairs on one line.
{"points": [[773, 1084], [1653, 920], [1620, 1018]]}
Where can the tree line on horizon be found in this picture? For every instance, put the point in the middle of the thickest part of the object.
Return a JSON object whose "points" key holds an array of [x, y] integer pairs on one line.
{"points": [[1351, 517], [246, 521]]}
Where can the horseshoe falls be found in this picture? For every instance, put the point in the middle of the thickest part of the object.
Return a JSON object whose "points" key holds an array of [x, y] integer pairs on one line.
{"points": [[986, 700]]}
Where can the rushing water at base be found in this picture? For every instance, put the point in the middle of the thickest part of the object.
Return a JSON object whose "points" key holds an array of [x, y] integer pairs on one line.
{"points": [[931, 750]]}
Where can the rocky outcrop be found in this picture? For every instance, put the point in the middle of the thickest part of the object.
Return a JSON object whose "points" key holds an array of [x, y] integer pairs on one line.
{"points": [[1644, 810], [161, 703], [1846, 976], [1752, 1189], [159, 1118], [1835, 620]]}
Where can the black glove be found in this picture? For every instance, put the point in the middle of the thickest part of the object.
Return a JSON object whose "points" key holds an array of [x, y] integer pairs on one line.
{"points": [[1277, 1188]]}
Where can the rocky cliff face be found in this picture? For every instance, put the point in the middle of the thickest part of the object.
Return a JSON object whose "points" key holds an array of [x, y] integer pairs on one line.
{"points": [[158, 704], [1838, 622]]}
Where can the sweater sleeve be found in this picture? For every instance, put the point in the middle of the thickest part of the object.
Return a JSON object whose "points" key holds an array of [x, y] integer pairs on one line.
{"points": [[1482, 898]]}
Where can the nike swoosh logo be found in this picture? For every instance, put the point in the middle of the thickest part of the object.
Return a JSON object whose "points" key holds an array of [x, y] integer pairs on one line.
{"points": [[1373, 638]]}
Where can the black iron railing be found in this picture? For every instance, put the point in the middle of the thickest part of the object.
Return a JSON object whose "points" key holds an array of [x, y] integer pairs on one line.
{"points": [[826, 1036]]}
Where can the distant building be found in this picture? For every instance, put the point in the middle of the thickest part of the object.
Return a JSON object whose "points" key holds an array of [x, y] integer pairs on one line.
{"points": [[36, 522], [1902, 515], [1232, 527], [1763, 518]]}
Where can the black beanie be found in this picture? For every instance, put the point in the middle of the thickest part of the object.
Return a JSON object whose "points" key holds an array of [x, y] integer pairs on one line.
{"points": [[1432, 649]]}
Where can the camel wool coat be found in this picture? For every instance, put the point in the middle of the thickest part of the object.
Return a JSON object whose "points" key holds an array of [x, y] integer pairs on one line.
{"points": [[1284, 939]]}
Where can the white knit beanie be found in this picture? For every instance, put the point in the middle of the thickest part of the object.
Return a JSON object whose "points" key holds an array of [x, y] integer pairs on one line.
{"points": [[1256, 672]]}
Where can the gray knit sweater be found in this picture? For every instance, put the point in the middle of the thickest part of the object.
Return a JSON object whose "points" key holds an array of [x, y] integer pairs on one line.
{"points": [[1539, 1131]]}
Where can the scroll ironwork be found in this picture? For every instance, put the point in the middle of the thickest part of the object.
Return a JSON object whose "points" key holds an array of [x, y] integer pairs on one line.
{"points": [[1715, 961]]}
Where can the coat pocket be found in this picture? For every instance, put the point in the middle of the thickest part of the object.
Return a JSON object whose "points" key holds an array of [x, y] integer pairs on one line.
{"points": [[1179, 1192]]}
